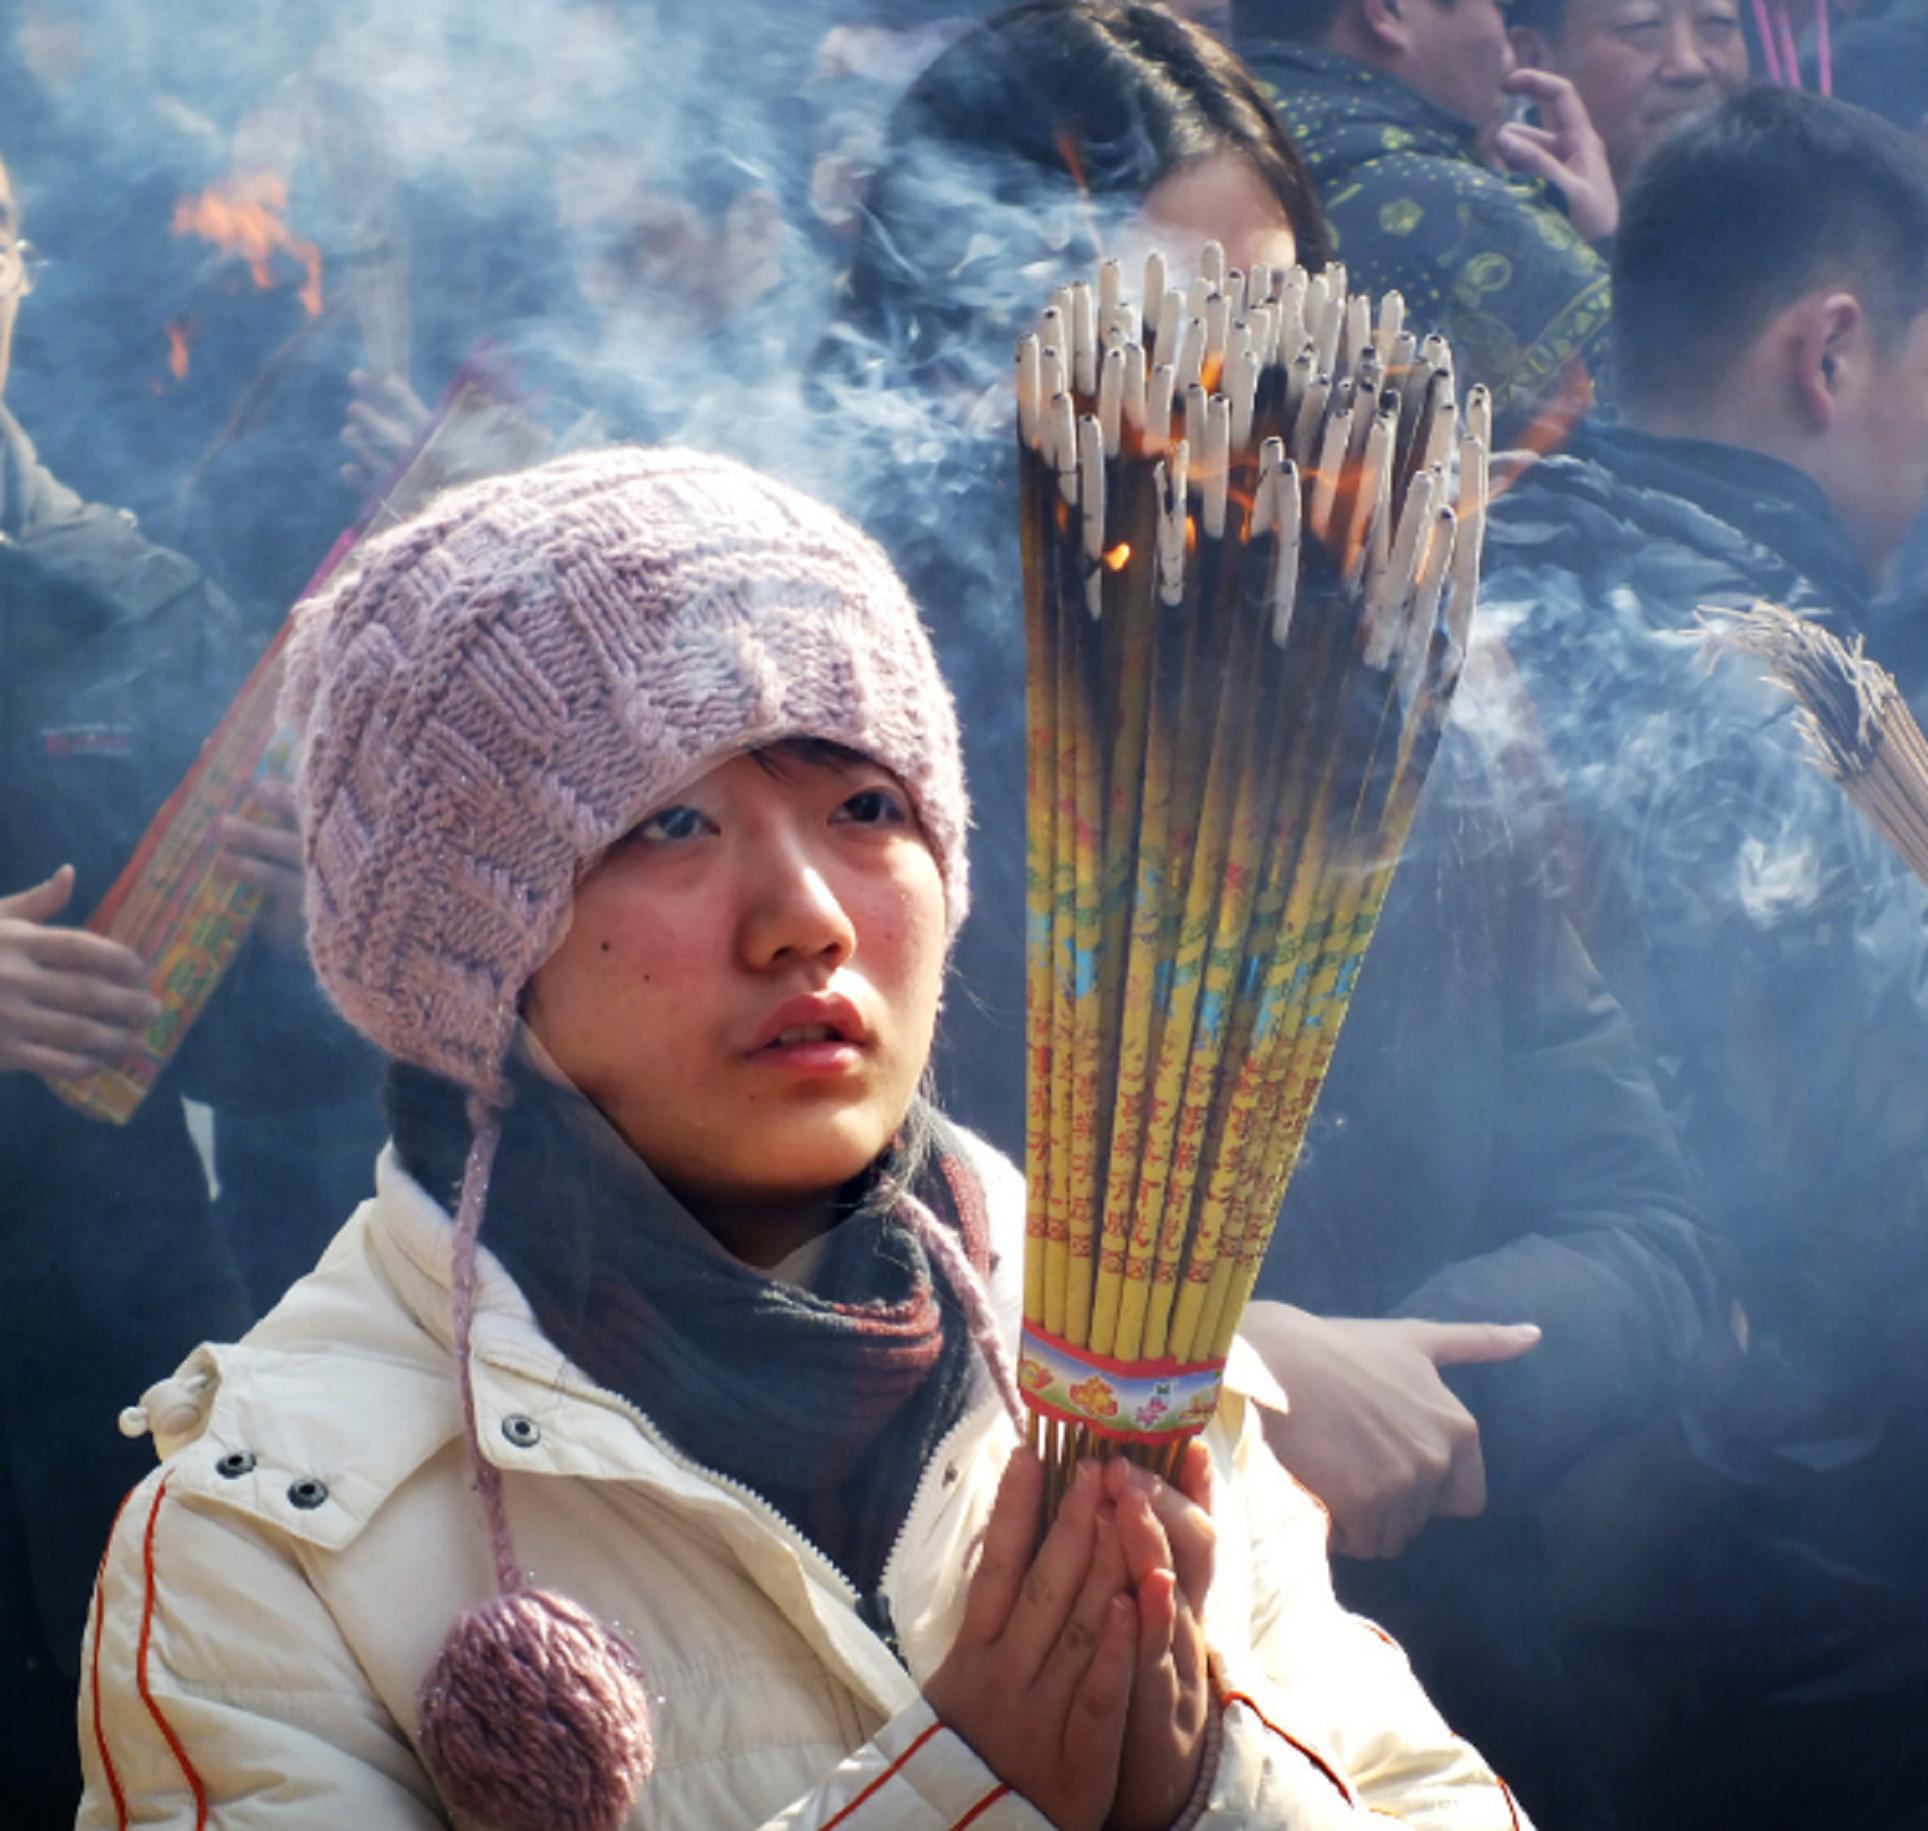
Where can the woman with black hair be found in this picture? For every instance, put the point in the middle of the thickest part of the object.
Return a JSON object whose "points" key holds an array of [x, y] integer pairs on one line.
{"points": [[1048, 137]]}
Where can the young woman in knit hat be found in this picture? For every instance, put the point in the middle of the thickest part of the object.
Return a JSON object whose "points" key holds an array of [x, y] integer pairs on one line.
{"points": [[686, 1495]]}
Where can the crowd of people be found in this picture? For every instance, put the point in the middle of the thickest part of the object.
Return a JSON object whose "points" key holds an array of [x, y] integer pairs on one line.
{"points": [[1587, 1365]]}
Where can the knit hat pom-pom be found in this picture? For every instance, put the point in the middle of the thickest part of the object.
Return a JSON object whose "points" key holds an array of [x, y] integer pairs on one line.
{"points": [[534, 1717]]}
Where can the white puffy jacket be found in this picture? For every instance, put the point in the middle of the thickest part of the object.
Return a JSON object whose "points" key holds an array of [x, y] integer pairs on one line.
{"points": [[273, 1593]]}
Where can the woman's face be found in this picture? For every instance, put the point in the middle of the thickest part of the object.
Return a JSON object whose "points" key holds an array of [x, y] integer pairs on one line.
{"points": [[1218, 199], [750, 982]]}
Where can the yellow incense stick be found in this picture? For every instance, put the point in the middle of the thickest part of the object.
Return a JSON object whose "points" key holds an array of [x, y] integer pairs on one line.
{"points": [[1039, 866]]}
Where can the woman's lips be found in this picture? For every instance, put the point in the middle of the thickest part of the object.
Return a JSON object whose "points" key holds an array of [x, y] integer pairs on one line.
{"points": [[825, 1056]]}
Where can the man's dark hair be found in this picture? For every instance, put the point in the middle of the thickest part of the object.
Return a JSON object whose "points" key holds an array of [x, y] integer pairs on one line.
{"points": [[1547, 16], [1743, 211]]}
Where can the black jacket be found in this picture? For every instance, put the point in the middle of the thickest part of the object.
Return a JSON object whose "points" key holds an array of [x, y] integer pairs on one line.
{"points": [[1772, 948], [116, 657], [1489, 1148]]}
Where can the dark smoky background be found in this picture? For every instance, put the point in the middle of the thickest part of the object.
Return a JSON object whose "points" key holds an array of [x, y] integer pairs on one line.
{"points": [[263, 227], [270, 236]]}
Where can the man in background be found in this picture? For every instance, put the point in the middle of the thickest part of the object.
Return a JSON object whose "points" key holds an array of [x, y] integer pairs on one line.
{"points": [[1750, 1576], [117, 657], [1641, 67], [1397, 106]]}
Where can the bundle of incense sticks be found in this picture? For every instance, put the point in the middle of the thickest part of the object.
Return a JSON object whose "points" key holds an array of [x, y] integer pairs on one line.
{"points": [[1251, 531], [175, 903], [1857, 724]]}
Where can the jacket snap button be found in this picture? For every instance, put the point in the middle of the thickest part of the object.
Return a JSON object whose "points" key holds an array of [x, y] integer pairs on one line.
{"points": [[307, 1493], [235, 1464], [524, 1433]]}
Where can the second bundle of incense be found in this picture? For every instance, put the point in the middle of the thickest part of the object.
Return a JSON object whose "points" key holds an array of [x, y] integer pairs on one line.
{"points": [[1251, 519], [1858, 726]]}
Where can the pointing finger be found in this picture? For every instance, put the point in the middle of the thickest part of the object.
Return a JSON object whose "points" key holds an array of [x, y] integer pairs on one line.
{"points": [[1468, 1344]]}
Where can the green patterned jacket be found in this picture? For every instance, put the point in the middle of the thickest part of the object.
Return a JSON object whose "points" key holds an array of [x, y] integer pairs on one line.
{"points": [[1491, 261]]}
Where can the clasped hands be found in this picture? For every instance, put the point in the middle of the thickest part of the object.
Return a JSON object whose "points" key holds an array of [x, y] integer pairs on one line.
{"points": [[1080, 1673]]}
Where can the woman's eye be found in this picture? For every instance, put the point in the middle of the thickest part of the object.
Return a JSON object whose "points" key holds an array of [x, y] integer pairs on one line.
{"points": [[672, 823], [875, 807]]}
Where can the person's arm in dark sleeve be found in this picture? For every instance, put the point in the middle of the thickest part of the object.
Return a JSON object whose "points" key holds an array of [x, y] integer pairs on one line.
{"points": [[1603, 1247]]}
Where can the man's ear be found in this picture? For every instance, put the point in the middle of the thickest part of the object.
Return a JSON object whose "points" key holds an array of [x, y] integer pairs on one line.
{"points": [[1831, 351], [1384, 22], [1532, 47]]}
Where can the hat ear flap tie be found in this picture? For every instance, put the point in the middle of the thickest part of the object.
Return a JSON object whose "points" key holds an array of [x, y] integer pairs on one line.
{"points": [[535, 1716]]}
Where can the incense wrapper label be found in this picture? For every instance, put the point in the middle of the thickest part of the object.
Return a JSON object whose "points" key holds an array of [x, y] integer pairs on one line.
{"points": [[1142, 1401], [176, 905]]}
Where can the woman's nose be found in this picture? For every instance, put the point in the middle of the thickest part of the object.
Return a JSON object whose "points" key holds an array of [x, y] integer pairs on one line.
{"points": [[793, 911]]}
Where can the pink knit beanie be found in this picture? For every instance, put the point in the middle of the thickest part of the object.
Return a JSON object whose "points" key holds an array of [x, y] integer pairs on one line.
{"points": [[505, 685], [498, 691]]}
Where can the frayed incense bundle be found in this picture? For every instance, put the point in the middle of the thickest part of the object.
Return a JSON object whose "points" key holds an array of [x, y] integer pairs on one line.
{"points": [[1251, 521], [1857, 724]]}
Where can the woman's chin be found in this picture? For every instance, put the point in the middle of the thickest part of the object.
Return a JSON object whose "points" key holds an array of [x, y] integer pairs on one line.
{"points": [[812, 1150]]}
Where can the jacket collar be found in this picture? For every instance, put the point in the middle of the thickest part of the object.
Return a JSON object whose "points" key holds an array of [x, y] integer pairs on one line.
{"points": [[32, 499], [325, 1387], [1328, 95], [1765, 500]]}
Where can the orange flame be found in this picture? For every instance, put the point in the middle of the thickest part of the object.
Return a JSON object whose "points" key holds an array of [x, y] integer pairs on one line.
{"points": [[1068, 151], [244, 218], [1119, 557], [1561, 410], [177, 348]]}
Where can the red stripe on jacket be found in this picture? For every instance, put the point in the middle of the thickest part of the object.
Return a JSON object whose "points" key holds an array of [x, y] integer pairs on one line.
{"points": [[1317, 1760], [983, 1805], [884, 1779], [100, 1623], [140, 1670]]}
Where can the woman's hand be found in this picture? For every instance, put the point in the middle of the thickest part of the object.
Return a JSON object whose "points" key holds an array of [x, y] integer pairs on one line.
{"points": [[1040, 1678], [1170, 1547]]}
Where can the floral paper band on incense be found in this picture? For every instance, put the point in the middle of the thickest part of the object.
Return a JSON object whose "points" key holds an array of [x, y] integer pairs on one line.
{"points": [[1149, 1402]]}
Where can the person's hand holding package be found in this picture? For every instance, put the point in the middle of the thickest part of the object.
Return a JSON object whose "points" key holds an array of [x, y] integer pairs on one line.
{"points": [[261, 847], [70, 1002]]}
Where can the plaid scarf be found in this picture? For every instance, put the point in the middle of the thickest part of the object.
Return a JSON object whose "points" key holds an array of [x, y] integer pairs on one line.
{"points": [[829, 1402]]}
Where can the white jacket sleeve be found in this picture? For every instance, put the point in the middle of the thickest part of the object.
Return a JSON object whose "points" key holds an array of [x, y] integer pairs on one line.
{"points": [[913, 1775], [1324, 1723], [216, 1690]]}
